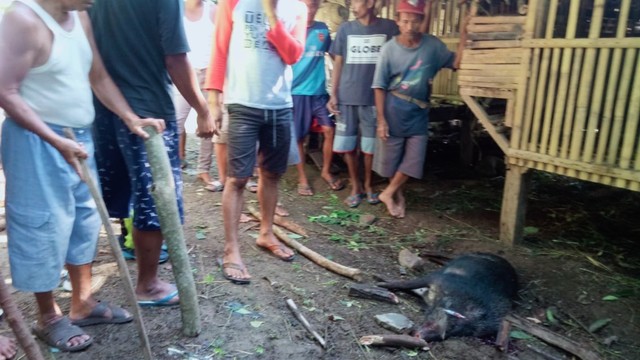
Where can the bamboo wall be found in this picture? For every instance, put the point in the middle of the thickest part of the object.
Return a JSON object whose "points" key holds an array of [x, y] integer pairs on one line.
{"points": [[573, 88]]}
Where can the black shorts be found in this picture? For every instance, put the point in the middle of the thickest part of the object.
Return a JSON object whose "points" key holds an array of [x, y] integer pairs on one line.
{"points": [[248, 126]]}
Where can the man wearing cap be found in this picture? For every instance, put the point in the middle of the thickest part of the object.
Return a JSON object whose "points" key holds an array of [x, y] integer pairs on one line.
{"points": [[402, 86]]}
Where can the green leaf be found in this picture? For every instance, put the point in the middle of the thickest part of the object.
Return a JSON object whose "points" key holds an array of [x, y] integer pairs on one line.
{"points": [[517, 334], [610, 298], [200, 234], [208, 279], [257, 324], [530, 230], [551, 317], [259, 350], [294, 236], [242, 311], [598, 324], [411, 353]]}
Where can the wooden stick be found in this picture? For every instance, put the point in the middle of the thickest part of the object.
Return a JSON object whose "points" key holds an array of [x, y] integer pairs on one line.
{"points": [[373, 293], [553, 338], [294, 309], [164, 196], [352, 273], [394, 341], [17, 324], [115, 249], [290, 225]]}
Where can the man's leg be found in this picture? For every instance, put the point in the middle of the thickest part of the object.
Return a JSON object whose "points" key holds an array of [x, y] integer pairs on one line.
{"points": [[303, 183], [149, 286], [368, 172], [232, 202], [351, 159], [221, 161], [204, 160], [328, 133], [268, 198]]}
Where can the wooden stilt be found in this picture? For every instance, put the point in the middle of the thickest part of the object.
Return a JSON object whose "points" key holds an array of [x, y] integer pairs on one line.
{"points": [[514, 201]]}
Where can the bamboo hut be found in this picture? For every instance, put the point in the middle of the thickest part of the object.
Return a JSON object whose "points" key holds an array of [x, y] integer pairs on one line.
{"points": [[568, 73]]}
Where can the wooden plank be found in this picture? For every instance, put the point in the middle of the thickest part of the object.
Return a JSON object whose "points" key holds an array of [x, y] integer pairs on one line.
{"points": [[489, 78], [488, 28], [483, 117], [541, 89], [494, 44], [571, 102], [497, 20], [490, 85], [553, 77], [484, 92], [601, 169], [494, 36], [582, 43], [495, 52], [514, 204], [528, 94], [493, 68]]}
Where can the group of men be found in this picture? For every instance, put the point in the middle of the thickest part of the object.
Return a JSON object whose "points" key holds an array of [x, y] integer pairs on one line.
{"points": [[54, 55]]}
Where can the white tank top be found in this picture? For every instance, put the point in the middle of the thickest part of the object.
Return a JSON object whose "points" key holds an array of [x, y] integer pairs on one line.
{"points": [[200, 37], [59, 90]]}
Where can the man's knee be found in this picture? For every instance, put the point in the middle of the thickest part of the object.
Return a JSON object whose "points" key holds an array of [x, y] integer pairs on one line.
{"points": [[236, 183], [328, 131], [269, 176]]}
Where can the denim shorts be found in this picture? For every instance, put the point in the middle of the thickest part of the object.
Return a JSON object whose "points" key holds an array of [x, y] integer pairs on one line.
{"points": [[125, 174], [52, 219], [270, 128], [355, 121]]}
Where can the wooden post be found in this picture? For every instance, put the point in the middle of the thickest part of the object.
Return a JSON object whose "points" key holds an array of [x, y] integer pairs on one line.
{"points": [[514, 203], [164, 195]]}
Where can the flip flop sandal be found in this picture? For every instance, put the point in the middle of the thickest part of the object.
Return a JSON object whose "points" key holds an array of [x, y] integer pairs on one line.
{"points": [[335, 184], [214, 186], [278, 247], [234, 266], [59, 333], [165, 301], [99, 313], [373, 198], [305, 190], [354, 200]]}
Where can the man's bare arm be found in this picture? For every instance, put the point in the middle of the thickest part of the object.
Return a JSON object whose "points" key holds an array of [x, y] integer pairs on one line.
{"points": [[185, 80], [109, 94], [22, 40], [332, 105]]}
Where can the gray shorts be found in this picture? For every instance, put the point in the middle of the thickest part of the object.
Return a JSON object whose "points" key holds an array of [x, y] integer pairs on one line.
{"points": [[51, 216], [270, 128], [354, 121], [401, 154]]}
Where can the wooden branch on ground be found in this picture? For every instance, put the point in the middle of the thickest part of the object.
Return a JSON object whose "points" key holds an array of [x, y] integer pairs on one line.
{"points": [[17, 324], [164, 196], [352, 273], [394, 341], [115, 249], [373, 293], [552, 338], [292, 306], [290, 225]]}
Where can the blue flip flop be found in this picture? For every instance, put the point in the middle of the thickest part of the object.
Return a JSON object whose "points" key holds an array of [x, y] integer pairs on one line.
{"points": [[165, 301]]}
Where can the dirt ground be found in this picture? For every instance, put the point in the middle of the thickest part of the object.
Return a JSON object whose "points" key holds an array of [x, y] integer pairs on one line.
{"points": [[578, 269]]}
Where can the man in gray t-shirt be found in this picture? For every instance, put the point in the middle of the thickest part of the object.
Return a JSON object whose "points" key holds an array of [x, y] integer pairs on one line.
{"points": [[402, 87], [355, 51]]}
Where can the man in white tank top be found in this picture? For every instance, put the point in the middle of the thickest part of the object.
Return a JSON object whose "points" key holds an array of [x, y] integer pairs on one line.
{"points": [[45, 87]]}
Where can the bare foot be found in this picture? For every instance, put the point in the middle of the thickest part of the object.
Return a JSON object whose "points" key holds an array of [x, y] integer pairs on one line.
{"points": [[391, 205], [281, 211], [402, 205], [234, 270], [205, 178], [8, 348], [278, 249], [158, 290]]}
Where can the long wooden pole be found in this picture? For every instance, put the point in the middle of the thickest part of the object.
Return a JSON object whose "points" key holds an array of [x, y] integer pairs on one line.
{"points": [[17, 324], [115, 249], [164, 195]]}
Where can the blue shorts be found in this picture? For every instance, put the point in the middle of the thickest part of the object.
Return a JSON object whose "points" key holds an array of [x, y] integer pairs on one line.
{"points": [[51, 216], [305, 109], [124, 170], [354, 121], [270, 128], [401, 154]]}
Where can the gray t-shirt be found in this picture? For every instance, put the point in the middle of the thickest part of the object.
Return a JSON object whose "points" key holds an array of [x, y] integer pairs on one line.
{"points": [[409, 71], [360, 48], [133, 38]]}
